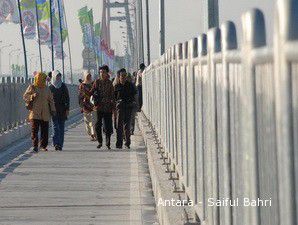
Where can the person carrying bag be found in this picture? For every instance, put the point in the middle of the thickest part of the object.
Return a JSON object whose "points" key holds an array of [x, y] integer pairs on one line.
{"points": [[39, 101]]}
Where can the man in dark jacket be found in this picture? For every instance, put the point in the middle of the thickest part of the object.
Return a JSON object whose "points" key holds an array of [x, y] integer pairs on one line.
{"points": [[103, 94], [125, 100]]}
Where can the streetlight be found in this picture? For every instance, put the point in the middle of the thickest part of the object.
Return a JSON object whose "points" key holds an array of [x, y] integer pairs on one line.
{"points": [[9, 58], [5, 46]]}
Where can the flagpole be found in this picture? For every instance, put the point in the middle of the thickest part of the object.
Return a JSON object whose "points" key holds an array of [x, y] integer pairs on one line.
{"points": [[62, 51], [38, 36], [52, 44], [69, 51], [23, 41]]}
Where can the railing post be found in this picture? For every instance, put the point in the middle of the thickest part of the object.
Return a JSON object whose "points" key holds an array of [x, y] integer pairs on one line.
{"points": [[191, 116], [174, 93], [214, 47], [253, 37], [184, 108], [286, 84], [179, 57], [202, 67], [228, 43]]}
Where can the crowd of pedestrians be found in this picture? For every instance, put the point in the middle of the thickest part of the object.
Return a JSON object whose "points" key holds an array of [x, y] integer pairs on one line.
{"points": [[106, 104]]}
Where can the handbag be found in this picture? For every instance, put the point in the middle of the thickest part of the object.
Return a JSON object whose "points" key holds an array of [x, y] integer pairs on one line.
{"points": [[29, 105]]}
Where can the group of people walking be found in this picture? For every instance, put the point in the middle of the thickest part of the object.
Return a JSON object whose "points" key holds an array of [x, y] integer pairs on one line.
{"points": [[109, 100], [102, 100]]}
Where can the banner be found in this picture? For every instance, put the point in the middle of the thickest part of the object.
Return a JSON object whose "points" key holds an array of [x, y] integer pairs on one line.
{"points": [[86, 22], [9, 11], [90, 39], [44, 21], [28, 11], [56, 29], [97, 40]]}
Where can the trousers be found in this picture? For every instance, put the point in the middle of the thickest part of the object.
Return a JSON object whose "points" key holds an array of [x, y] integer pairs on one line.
{"points": [[58, 131], [89, 123], [123, 126], [104, 118], [44, 133]]}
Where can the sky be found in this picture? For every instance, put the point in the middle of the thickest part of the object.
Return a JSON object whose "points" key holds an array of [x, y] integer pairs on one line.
{"points": [[184, 20]]}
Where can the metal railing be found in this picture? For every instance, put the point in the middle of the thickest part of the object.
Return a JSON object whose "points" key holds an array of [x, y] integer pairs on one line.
{"points": [[12, 110], [227, 118]]}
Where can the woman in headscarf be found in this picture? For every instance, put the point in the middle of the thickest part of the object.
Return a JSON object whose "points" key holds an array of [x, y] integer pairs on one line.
{"points": [[86, 105], [61, 99], [40, 103]]}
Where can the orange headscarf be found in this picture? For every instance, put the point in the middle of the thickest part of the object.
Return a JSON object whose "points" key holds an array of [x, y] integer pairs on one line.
{"points": [[40, 80]]}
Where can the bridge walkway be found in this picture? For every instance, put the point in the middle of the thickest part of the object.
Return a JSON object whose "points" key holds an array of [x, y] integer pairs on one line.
{"points": [[80, 185]]}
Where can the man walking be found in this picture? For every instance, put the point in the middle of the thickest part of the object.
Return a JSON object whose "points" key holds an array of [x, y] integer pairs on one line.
{"points": [[103, 94], [124, 94]]}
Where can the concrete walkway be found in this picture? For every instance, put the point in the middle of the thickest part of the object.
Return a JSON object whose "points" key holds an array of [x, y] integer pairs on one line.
{"points": [[80, 185]]}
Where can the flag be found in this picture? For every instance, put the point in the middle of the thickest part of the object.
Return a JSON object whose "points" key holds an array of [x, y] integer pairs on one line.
{"points": [[44, 21], [97, 39], [86, 22], [28, 11], [84, 19], [56, 28], [9, 11]]}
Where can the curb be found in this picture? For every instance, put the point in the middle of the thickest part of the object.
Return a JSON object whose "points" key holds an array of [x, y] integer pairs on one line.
{"points": [[163, 187]]}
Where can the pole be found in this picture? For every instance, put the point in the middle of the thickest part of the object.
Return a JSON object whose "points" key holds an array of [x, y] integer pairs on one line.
{"points": [[148, 31], [141, 29], [52, 35], [69, 51], [107, 6], [211, 7], [62, 51], [162, 26], [1, 61], [23, 41], [137, 62], [38, 36]]}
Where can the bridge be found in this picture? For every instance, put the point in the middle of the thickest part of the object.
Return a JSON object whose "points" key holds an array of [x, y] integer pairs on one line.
{"points": [[216, 142]]}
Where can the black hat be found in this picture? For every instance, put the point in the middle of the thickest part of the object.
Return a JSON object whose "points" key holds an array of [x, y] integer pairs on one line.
{"points": [[105, 68]]}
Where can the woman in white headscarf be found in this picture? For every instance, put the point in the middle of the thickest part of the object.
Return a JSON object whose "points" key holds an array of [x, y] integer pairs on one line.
{"points": [[61, 99], [86, 105]]}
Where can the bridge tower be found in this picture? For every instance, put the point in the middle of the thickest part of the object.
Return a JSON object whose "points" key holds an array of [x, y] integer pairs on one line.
{"points": [[130, 52]]}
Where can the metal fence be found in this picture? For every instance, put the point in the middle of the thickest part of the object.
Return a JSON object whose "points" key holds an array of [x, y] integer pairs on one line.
{"points": [[227, 118], [12, 109]]}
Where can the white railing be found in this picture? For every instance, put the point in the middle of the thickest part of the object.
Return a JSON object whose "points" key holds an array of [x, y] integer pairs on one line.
{"points": [[227, 118]]}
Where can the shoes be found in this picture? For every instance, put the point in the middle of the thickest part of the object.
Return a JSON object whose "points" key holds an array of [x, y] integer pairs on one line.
{"points": [[58, 148], [99, 145], [44, 149], [108, 142], [119, 147], [127, 146], [35, 150], [93, 138]]}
